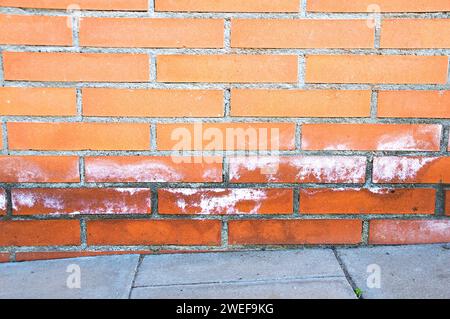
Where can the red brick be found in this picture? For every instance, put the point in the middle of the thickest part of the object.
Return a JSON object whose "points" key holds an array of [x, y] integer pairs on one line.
{"points": [[4, 257], [79, 136], [152, 103], [227, 68], [226, 136], [75, 67], [146, 169], [123, 5], [384, 69], [236, 201], [383, 5], [289, 33], [414, 104], [47, 255], [18, 101], [401, 232], [154, 232], [35, 30], [412, 169], [84, 201], [2, 202], [39, 169], [151, 33], [40, 233], [447, 203], [368, 137], [367, 201], [294, 232], [297, 169], [228, 5], [300, 103]]}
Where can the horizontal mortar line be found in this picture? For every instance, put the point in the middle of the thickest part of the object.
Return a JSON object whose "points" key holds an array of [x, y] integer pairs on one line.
{"points": [[224, 85], [245, 282], [193, 14], [225, 51]]}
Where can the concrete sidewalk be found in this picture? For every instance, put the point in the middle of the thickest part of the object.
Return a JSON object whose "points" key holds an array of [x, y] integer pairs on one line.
{"points": [[379, 272]]}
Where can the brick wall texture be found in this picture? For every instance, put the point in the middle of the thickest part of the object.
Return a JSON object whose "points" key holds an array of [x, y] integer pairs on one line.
{"points": [[155, 126]]}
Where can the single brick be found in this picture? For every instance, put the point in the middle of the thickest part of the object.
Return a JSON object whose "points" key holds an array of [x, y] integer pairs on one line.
{"points": [[40, 233], [4, 257], [294, 232], [411, 169], [226, 136], [367, 201], [84, 201], [227, 68], [39, 169], [20, 101], [75, 67], [218, 201], [35, 30], [289, 33], [152, 103], [414, 104], [297, 169], [415, 33], [2, 201], [384, 69], [1, 138], [382, 5], [401, 232], [152, 33], [300, 103], [447, 202], [47, 255], [153, 169], [371, 137], [123, 5], [228, 5], [154, 232], [78, 136]]}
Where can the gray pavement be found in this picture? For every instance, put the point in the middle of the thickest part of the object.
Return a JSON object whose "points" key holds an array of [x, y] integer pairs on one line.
{"points": [[377, 272]]}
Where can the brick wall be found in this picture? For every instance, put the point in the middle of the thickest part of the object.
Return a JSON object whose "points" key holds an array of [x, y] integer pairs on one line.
{"points": [[193, 125]]}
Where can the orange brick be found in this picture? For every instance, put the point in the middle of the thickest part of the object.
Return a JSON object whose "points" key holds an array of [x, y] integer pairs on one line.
{"points": [[415, 33], [4, 257], [288, 33], [152, 103], [218, 201], [414, 104], [384, 5], [226, 136], [294, 232], [228, 5], [158, 33], [79, 136], [382, 69], [84, 201], [1, 139], [2, 202], [227, 68], [412, 169], [447, 203], [146, 169], [371, 137], [154, 232], [40, 233], [401, 232], [73, 67], [39, 169], [367, 201], [297, 169], [300, 103], [47, 255], [35, 30], [125, 5], [18, 101]]}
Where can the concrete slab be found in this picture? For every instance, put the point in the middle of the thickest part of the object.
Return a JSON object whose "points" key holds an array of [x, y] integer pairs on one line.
{"points": [[100, 277], [417, 272], [237, 266], [326, 288]]}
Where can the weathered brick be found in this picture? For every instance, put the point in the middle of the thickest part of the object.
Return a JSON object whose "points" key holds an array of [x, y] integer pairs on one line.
{"points": [[228, 5], [125, 5], [4, 257], [382, 5], [2, 202], [84, 201], [236, 201], [367, 201]]}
